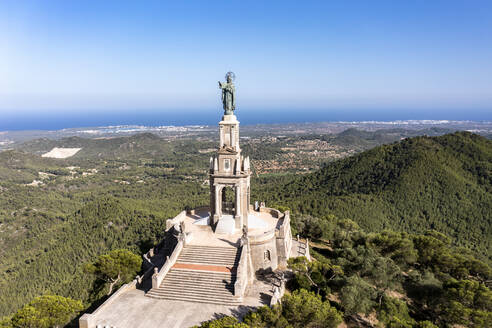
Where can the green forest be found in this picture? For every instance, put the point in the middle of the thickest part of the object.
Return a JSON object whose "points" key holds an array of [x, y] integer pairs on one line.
{"points": [[48, 233], [386, 279], [442, 183], [407, 225]]}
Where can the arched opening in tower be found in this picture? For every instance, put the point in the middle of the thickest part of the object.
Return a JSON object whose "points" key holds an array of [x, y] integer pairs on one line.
{"points": [[228, 200]]}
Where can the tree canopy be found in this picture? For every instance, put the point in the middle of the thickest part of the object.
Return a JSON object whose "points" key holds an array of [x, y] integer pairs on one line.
{"points": [[47, 311], [116, 266]]}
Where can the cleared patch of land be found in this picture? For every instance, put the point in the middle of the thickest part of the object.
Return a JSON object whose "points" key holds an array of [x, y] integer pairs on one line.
{"points": [[61, 152]]}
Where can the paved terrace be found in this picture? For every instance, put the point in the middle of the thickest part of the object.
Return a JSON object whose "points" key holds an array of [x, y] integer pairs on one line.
{"points": [[132, 309], [198, 225]]}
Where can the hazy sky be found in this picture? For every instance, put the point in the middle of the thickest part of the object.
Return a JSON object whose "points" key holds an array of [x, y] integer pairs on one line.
{"points": [[92, 56]]}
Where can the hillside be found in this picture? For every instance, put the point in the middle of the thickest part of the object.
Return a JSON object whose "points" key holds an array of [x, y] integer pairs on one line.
{"points": [[127, 147], [115, 193], [118, 192], [442, 183], [364, 140]]}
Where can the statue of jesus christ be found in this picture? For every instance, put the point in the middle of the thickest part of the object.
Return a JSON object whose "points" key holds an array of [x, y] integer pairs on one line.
{"points": [[228, 96]]}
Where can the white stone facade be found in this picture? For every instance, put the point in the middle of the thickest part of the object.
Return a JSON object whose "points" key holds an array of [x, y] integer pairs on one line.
{"points": [[229, 171]]}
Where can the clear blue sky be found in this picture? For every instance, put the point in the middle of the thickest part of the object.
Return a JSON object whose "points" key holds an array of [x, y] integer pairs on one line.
{"points": [[77, 57]]}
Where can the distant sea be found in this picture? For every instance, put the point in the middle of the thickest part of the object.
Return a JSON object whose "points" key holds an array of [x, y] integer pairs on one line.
{"points": [[56, 120]]}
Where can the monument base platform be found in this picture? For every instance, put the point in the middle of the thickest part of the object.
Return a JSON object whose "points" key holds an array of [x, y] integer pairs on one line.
{"points": [[226, 225]]}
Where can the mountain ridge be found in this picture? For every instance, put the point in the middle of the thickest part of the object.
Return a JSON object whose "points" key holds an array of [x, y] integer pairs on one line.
{"points": [[420, 183]]}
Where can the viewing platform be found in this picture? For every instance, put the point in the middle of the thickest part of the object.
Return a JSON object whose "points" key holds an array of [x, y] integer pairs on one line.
{"points": [[261, 224], [202, 274]]}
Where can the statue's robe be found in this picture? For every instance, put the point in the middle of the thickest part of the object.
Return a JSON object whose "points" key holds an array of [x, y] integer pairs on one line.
{"points": [[228, 97]]}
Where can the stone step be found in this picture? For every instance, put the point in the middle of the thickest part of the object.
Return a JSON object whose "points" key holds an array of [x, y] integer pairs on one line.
{"points": [[177, 274], [198, 284], [203, 282], [195, 289], [192, 278], [191, 298], [219, 248], [207, 248], [200, 277], [196, 293], [205, 262], [211, 248], [200, 272], [210, 256], [191, 272], [228, 278]]}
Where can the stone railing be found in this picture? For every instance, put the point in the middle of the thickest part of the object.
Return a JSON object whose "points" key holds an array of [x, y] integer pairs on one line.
{"points": [[284, 239], [170, 261], [306, 247], [199, 209], [245, 270], [88, 319], [278, 293], [265, 236], [284, 229], [303, 248], [273, 212], [241, 274], [176, 220]]}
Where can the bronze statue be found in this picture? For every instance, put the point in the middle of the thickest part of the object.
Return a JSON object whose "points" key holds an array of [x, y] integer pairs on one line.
{"points": [[228, 96]]}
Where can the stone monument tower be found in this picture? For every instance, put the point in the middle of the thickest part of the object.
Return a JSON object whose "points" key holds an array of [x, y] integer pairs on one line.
{"points": [[229, 171]]}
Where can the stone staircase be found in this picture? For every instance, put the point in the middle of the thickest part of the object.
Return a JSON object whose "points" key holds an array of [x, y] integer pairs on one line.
{"points": [[202, 274]]}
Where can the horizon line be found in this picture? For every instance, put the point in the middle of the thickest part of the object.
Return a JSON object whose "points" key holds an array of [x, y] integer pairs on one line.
{"points": [[382, 122]]}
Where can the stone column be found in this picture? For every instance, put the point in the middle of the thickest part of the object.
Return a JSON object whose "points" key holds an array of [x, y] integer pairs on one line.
{"points": [[238, 217], [237, 137], [212, 198], [248, 200], [221, 135], [218, 209]]}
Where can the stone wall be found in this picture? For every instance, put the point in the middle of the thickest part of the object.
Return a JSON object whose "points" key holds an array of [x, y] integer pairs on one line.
{"points": [[242, 276], [284, 240], [271, 249], [264, 251]]}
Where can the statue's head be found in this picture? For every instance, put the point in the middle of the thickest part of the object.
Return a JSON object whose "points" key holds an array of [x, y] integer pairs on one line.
{"points": [[230, 76]]}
